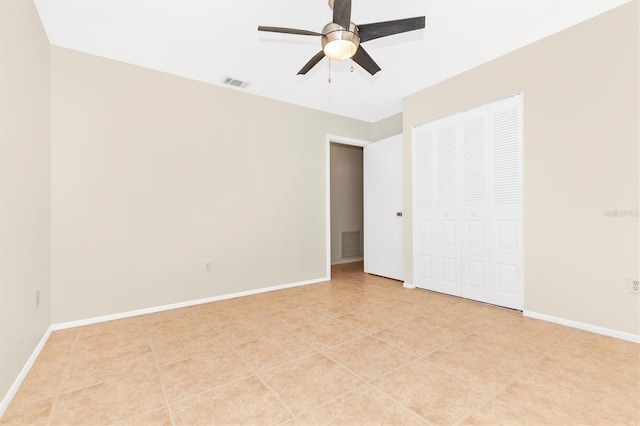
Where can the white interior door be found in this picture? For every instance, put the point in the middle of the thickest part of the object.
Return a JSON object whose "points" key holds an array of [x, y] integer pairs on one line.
{"points": [[383, 222]]}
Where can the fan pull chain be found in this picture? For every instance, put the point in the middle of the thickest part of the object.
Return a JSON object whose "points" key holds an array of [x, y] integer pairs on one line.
{"points": [[329, 79], [351, 64]]}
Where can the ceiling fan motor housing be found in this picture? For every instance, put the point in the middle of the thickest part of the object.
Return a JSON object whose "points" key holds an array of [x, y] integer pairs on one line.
{"points": [[339, 43]]}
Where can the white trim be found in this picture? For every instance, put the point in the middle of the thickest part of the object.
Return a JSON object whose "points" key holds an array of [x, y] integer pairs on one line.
{"points": [[327, 196], [346, 141], [635, 338], [4, 404], [414, 228], [327, 193], [408, 285], [365, 228], [128, 314]]}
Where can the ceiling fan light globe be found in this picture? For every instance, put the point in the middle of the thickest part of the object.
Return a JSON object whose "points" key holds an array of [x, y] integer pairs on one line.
{"points": [[340, 49]]}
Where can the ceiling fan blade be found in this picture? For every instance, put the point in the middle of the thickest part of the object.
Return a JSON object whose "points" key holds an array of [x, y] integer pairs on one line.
{"points": [[342, 13], [312, 62], [387, 28], [363, 59], [288, 31]]}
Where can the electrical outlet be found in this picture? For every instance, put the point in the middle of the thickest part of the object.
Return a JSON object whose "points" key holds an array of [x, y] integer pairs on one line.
{"points": [[37, 298], [207, 266], [634, 285]]}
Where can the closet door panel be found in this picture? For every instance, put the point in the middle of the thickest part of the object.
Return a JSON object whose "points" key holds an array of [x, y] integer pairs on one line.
{"points": [[446, 220], [423, 163], [474, 211], [505, 150]]}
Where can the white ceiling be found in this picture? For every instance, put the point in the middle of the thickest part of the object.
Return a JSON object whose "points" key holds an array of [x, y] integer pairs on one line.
{"points": [[207, 40]]}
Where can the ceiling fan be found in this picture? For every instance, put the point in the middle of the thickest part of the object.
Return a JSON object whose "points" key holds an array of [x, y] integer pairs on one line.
{"points": [[342, 39]]}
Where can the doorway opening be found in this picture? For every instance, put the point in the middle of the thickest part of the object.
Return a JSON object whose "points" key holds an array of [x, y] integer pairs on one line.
{"points": [[344, 200], [347, 207]]}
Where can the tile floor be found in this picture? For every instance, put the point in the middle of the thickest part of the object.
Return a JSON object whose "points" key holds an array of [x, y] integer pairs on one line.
{"points": [[357, 350]]}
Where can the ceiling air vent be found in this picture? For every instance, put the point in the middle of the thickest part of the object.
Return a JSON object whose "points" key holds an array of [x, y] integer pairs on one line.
{"points": [[229, 81]]}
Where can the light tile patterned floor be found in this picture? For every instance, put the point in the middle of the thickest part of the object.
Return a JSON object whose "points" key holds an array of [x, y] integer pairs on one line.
{"points": [[357, 350]]}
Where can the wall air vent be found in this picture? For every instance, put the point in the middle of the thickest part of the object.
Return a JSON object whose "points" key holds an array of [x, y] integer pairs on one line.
{"points": [[351, 244], [230, 81]]}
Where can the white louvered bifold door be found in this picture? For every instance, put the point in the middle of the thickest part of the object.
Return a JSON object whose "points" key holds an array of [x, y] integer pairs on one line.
{"points": [[505, 126], [436, 207], [446, 220], [474, 213], [468, 204], [423, 164]]}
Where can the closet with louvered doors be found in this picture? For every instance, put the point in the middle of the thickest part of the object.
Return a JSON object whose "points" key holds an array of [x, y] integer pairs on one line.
{"points": [[468, 204]]}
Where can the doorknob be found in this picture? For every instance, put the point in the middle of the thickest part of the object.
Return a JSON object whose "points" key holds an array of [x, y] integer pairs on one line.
{"points": [[399, 214]]}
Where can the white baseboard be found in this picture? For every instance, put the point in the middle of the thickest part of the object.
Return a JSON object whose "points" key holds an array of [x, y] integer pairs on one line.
{"points": [[6, 400], [408, 285], [584, 326], [128, 314]]}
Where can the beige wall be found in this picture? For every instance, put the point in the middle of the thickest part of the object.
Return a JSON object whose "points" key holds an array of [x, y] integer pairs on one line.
{"points": [[24, 186], [387, 127], [346, 196], [581, 138], [153, 175]]}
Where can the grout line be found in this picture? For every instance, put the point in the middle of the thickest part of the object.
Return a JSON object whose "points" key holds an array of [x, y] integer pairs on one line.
{"points": [[364, 381], [156, 359], [330, 400], [370, 383], [211, 389], [382, 391], [259, 377], [394, 346], [102, 379], [227, 345], [487, 398]]}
